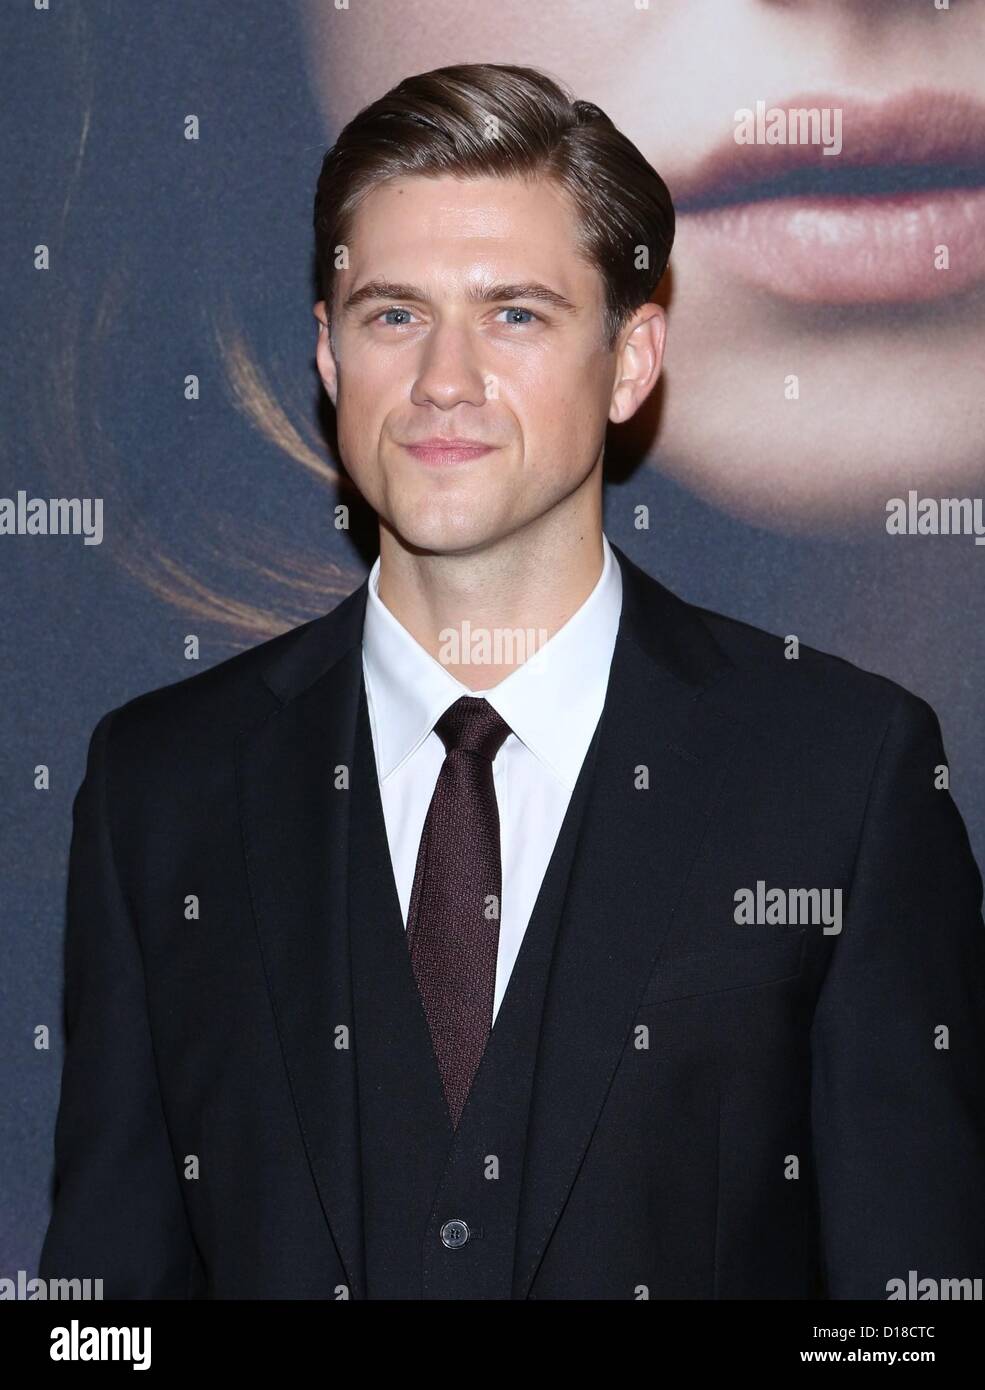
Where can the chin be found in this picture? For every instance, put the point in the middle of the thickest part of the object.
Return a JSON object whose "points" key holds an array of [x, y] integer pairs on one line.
{"points": [[446, 534]]}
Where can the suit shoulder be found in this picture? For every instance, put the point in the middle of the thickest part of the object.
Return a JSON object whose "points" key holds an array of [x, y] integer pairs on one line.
{"points": [[788, 674], [215, 704]]}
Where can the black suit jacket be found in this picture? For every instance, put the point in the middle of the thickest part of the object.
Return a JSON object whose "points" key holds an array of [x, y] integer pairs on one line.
{"points": [[739, 1110]]}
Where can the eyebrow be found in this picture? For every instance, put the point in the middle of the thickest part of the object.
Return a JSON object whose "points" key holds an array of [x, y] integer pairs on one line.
{"points": [[483, 294]]}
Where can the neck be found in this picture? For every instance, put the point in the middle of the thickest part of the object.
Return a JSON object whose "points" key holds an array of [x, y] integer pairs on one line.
{"points": [[495, 605]]}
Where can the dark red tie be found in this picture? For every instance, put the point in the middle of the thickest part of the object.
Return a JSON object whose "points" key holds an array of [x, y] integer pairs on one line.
{"points": [[453, 918]]}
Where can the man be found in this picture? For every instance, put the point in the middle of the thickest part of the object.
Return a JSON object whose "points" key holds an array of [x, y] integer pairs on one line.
{"points": [[517, 929]]}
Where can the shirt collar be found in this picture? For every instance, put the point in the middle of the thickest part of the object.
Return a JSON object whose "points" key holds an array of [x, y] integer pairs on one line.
{"points": [[552, 702]]}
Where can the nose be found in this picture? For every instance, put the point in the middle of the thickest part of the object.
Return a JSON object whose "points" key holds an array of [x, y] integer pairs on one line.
{"points": [[449, 370]]}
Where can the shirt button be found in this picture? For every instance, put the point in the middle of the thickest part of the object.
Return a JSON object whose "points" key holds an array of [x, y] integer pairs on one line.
{"points": [[454, 1234]]}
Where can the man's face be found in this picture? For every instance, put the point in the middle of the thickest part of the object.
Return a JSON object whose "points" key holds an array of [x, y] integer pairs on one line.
{"points": [[422, 353]]}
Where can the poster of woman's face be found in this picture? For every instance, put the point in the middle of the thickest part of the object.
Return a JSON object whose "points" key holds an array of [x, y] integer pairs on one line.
{"points": [[826, 301]]}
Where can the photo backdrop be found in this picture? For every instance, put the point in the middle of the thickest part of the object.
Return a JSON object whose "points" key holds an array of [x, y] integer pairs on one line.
{"points": [[161, 161]]}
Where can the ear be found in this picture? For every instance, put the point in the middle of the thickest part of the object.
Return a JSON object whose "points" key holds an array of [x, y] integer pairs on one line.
{"points": [[325, 353], [639, 358]]}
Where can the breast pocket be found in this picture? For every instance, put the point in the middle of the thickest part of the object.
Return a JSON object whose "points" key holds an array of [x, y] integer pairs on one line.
{"points": [[726, 968]]}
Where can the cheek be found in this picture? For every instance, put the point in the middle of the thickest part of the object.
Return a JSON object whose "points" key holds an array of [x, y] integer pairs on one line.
{"points": [[365, 373], [358, 422], [366, 392], [563, 398]]}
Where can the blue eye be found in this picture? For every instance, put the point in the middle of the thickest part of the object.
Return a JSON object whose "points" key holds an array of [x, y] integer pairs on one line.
{"points": [[514, 309], [395, 311]]}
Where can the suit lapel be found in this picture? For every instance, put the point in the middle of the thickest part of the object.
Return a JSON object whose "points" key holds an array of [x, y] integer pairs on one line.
{"points": [[633, 855], [295, 835]]}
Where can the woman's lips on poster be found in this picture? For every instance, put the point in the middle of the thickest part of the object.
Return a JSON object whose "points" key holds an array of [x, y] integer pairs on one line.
{"points": [[861, 226]]}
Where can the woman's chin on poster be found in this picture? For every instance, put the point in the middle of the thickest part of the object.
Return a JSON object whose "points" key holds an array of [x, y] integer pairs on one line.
{"points": [[827, 163]]}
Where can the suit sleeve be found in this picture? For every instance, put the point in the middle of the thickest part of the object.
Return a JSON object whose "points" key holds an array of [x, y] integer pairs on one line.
{"points": [[118, 1212], [898, 1042]]}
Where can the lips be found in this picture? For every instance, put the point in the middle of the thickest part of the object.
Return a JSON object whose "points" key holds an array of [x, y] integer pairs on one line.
{"points": [[438, 452], [869, 224]]}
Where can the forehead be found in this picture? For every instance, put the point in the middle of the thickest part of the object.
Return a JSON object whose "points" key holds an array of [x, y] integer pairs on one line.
{"points": [[412, 226]]}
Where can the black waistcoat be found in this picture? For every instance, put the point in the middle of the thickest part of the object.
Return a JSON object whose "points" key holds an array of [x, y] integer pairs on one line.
{"points": [[418, 1175]]}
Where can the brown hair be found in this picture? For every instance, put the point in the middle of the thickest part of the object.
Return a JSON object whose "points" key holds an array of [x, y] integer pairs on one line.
{"points": [[492, 119]]}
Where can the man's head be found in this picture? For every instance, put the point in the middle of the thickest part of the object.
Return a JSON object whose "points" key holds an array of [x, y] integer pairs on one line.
{"points": [[487, 250]]}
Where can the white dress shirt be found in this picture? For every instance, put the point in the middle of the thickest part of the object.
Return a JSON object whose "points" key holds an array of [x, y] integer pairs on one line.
{"points": [[552, 704]]}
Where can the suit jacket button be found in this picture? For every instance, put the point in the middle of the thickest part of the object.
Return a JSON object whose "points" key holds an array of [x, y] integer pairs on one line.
{"points": [[454, 1234]]}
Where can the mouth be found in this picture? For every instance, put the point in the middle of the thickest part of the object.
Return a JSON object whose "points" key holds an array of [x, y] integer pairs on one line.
{"points": [[440, 453], [896, 214]]}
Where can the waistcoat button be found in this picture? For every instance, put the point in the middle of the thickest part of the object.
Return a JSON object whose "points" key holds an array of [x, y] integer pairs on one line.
{"points": [[454, 1234]]}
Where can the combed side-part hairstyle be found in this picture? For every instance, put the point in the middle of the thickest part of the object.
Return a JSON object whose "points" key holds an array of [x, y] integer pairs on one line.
{"points": [[495, 120]]}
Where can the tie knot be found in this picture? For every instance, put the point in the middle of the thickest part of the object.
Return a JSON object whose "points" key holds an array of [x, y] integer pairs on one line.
{"points": [[473, 726]]}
